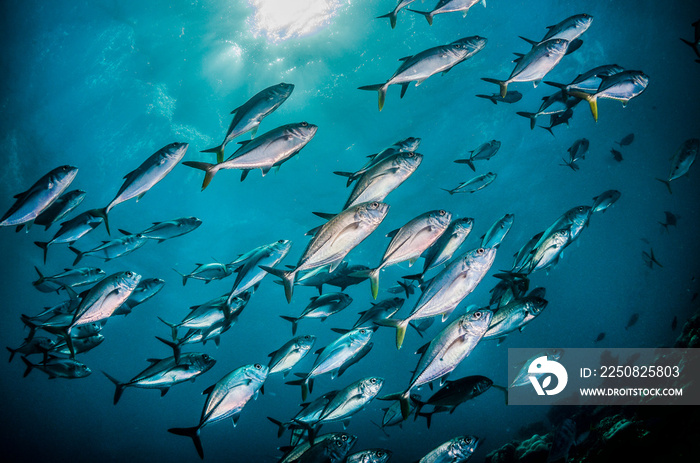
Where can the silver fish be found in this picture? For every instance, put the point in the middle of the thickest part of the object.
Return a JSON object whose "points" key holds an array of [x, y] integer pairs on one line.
{"points": [[589, 81], [457, 450], [250, 114], [535, 64], [419, 67], [383, 178], [410, 144], [351, 400], [448, 6], [409, 242], [39, 197], [248, 271], [269, 150], [514, 316], [113, 249], [622, 87], [57, 367], [569, 29], [165, 373], [81, 344], [206, 316], [226, 399], [604, 200], [70, 277], [329, 448], [522, 257], [208, 272], [321, 307], [379, 311], [447, 350], [370, 456], [682, 160], [283, 359], [34, 345], [554, 104], [444, 292], [162, 231], [60, 208], [448, 243], [393, 13], [474, 184], [73, 229], [334, 240], [144, 291], [497, 232], [485, 152], [144, 177]]}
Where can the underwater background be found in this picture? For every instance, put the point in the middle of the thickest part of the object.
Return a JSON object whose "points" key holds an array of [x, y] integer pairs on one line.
{"points": [[102, 85]]}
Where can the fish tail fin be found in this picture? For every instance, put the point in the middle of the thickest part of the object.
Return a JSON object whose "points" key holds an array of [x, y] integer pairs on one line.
{"points": [[400, 326], [392, 18], [175, 346], [549, 129], [45, 246], [184, 277], [30, 366], [120, 387], [12, 353], [653, 259], [502, 389], [102, 213], [373, 275], [688, 42], [173, 328], [281, 426], [555, 84], [502, 84], [78, 256], [381, 89], [592, 102], [487, 97], [428, 417], [408, 289], [531, 116], [451, 192], [287, 277], [293, 321], [468, 162], [667, 183], [219, 150], [193, 433], [428, 15], [41, 276], [209, 169]]}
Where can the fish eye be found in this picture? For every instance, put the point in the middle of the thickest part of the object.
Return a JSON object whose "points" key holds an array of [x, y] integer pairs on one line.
{"points": [[580, 208], [373, 380], [410, 154], [477, 315], [257, 366], [304, 124], [468, 440], [129, 274], [374, 205], [363, 331], [458, 46], [280, 242], [307, 337], [379, 454], [442, 212], [480, 251], [344, 437]]}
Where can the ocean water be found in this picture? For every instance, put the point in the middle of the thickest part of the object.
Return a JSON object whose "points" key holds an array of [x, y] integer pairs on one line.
{"points": [[102, 85]]}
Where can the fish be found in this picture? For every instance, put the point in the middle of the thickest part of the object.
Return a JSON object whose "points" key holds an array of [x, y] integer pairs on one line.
{"points": [[69, 277], [35, 345], [383, 178], [569, 29], [444, 292], [485, 152], [392, 414], [589, 81], [498, 231], [417, 68], [650, 259], [321, 307], [410, 144], [334, 240], [512, 286], [332, 358], [632, 321], [600, 337], [617, 156], [671, 220], [577, 151], [145, 290], [448, 6], [455, 393], [250, 114], [447, 244], [682, 161], [58, 367], [522, 257], [548, 251], [370, 456], [328, 448], [319, 276], [113, 249], [535, 64], [39, 197], [674, 324], [514, 316], [161, 231], [379, 311], [81, 344], [474, 184], [72, 230], [622, 87], [208, 272], [226, 399], [309, 414], [626, 140], [447, 350], [558, 119], [557, 103], [455, 450], [695, 44], [603, 201], [209, 316], [283, 359], [146, 176], [165, 373], [394, 13], [60, 208], [351, 400], [511, 97], [269, 150], [247, 267], [409, 242]]}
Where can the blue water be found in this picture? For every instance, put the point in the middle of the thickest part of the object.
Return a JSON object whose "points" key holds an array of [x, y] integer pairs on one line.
{"points": [[102, 85]]}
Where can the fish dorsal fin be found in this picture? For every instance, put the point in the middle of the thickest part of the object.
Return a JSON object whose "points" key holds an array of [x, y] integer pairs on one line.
{"points": [[406, 58], [272, 353], [392, 233], [313, 231], [209, 390], [423, 348], [340, 330], [334, 265], [153, 361], [324, 215], [244, 174], [236, 110], [19, 195], [244, 142]]}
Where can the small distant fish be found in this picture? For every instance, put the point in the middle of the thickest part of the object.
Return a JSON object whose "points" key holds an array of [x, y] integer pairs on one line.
{"points": [[626, 140], [621, 87], [649, 259], [671, 220], [604, 200], [448, 6], [393, 13], [145, 290], [600, 337], [495, 234], [60, 208], [557, 103], [321, 307], [681, 161], [695, 44], [485, 152], [616, 154], [109, 250], [674, 323], [559, 119], [208, 272], [58, 367], [474, 184], [511, 97], [577, 151], [70, 277], [632, 321], [162, 231]]}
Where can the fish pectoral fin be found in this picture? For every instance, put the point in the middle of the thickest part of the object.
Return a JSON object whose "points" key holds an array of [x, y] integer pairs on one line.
{"points": [[351, 228], [234, 419], [209, 390]]}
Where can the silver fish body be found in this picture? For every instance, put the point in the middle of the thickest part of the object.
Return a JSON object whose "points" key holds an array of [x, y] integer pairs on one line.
{"points": [[682, 160], [104, 298], [249, 273], [383, 178], [162, 231], [457, 450], [70, 277], [604, 200], [448, 243], [474, 184], [569, 29], [497, 232], [283, 359], [112, 249], [351, 399], [60, 208], [514, 316]]}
